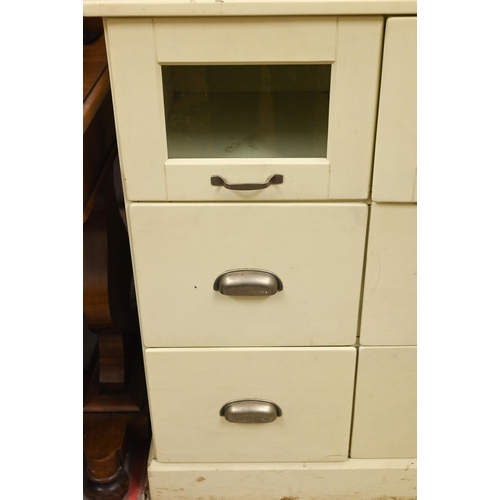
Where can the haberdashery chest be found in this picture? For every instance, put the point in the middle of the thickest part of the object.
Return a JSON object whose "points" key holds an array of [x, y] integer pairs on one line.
{"points": [[268, 156]]}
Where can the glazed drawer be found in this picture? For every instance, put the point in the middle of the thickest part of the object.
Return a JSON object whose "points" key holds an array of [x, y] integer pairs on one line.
{"points": [[389, 315], [314, 250], [385, 409], [246, 98], [313, 387]]}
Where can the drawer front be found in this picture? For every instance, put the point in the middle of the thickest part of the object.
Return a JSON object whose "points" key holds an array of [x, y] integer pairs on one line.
{"points": [[389, 315], [395, 164], [315, 250], [313, 387], [178, 106], [385, 409]]}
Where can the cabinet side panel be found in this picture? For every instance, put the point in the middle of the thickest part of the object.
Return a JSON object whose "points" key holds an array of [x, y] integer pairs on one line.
{"points": [[395, 170], [353, 106], [138, 103]]}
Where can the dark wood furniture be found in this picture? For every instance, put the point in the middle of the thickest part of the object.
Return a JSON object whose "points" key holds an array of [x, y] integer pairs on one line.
{"points": [[115, 406]]}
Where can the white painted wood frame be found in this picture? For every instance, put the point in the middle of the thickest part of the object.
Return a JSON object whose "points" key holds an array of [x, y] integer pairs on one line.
{"points": [[246, 40], [395, 166], [138, 105], [353, 106]]}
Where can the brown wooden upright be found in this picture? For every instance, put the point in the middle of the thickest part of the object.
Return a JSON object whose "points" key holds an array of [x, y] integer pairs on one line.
{"points": [[115, 406]]}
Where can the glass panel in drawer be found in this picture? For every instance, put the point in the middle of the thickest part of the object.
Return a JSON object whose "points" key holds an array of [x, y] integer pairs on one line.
{"points": [[243, 111]]}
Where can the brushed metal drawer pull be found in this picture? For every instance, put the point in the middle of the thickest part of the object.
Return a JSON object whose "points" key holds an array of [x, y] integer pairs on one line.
{"points": [[217, 180], [248, 283], [250, 411]]}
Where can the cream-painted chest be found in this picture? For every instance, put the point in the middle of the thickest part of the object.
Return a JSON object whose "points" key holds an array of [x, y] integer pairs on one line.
{"points": [[268, 155]]}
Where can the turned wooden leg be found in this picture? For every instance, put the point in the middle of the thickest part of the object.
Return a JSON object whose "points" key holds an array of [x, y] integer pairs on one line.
{"points": [[104, 445], [115, 490], [106, 441]]}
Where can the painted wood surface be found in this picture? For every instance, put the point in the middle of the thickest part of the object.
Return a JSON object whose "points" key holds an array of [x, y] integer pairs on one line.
{"points": [[357, 42], [389, 315], [353, 106], [395, 167], [245, 40], [139, 97], [303, 179], [245, 7], [349, 480], [138, 104], [385, 407], [315, 249], [312, 386]]}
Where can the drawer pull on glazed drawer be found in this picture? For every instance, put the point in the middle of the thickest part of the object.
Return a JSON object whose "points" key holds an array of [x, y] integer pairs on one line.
{"points": [[217, 180], [250, 411], [248, 283]]}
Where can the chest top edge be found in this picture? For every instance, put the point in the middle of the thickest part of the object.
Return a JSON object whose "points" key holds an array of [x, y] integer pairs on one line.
{"points": [[158, 8]]}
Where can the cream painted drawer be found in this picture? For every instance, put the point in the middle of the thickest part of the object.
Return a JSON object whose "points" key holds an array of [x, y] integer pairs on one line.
{"points": [[389, 315], [316, 250], [312, 386], [181, 117], [385, 408], [395, 164]]}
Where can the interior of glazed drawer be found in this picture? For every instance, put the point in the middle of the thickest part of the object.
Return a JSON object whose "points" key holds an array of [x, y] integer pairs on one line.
{"points": [[256, 111]]}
